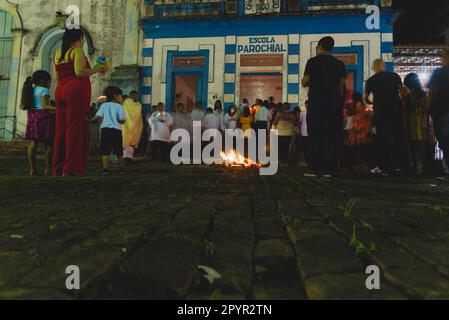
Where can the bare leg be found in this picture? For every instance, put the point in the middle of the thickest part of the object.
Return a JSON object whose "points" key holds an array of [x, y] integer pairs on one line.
{"points": [[105, 162], [121, 163], [31, 155], [421, 157]]}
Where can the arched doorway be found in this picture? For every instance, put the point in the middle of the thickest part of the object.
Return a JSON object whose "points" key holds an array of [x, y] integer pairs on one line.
{"points": [[46, 47], [6, 46]]}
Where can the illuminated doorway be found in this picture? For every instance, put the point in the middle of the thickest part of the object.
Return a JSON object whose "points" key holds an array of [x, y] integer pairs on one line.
{"points": [[187, 90], [187, 78], [261, 86]]}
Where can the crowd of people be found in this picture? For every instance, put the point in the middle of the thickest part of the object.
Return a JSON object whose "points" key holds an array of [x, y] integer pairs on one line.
{"points": [[398, 135], [331, 130], [262, 115]]}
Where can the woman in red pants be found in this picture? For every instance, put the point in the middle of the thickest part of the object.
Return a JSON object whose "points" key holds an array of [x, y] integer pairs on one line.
{"points": [[73, 96]]}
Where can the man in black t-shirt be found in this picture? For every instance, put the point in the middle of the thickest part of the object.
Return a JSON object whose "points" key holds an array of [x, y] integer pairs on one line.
{"points": [[388, 121], [439, 107], [325, 76]]}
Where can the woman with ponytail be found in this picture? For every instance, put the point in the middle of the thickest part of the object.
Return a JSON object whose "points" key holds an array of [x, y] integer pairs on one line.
{"points": [[73, 97], [36, 100]]}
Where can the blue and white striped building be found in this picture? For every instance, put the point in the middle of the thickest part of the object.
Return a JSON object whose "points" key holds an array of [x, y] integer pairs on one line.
{"points": [[218, 46], [191, 50]]}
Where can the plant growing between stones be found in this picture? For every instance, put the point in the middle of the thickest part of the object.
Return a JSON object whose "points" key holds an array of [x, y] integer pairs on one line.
{"points": [[290, 220], [359, 246], [208, 246], [438, 208], [347, 209], [212, 276]]}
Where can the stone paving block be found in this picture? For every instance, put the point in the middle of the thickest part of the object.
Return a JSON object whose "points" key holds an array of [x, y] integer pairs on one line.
{"points": [[32, 294], [298, 232], [232, 227], [265, 207], [232, 259], [326, 253], [275, 272], [269, 228], [233, 239], [298, 211], [419, 283], [282, 290], [190, 223], [92, 261], [275, 249], [217, 296], [347, 286], [434, 253], [167, 266]]}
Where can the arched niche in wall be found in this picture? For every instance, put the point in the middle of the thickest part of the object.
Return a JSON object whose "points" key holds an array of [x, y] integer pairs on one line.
{"points": [[47, 44]]}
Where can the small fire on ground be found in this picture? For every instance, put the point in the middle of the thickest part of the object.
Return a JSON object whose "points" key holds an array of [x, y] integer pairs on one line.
{"points": [[235, 159]]}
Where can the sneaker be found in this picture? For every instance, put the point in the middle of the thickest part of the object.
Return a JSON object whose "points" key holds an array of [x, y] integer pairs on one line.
{"points": [[105, 172], [443, 178], [327, 176], [376, 170], [310, 175], [121, 172]]}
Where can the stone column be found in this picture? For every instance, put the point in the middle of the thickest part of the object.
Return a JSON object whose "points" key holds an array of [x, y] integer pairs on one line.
{"points": [[126, 76]]}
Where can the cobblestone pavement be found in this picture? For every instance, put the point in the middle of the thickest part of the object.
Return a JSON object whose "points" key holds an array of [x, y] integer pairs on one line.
{"points": [[144, 235]]}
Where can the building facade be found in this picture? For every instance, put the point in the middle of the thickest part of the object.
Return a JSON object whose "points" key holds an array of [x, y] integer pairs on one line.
{"points": [[192, 50], [31, 31]]}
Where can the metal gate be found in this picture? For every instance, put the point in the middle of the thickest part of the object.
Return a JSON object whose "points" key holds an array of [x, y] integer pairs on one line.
{"points": [[6, 43]]}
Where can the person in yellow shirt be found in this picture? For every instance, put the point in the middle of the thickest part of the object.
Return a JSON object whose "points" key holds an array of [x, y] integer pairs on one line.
{"points": [[246, 121], [133, 127]]}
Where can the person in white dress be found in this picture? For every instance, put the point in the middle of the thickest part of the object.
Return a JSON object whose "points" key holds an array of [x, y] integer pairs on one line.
{"points": [[218, 110], [231, 122], [181, 118], [304, 133], [198, 113], [160, 123], [211, 121], [231, 119]]}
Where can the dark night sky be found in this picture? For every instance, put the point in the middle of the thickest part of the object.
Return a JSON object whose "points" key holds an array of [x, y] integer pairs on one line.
{"points": [[422, 21]]}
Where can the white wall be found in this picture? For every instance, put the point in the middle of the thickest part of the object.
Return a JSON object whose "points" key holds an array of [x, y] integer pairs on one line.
{"points": [[280, 40], [216, 45]]}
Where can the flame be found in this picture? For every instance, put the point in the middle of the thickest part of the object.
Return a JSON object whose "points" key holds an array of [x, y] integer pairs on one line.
{"points": [[235, 159]]}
